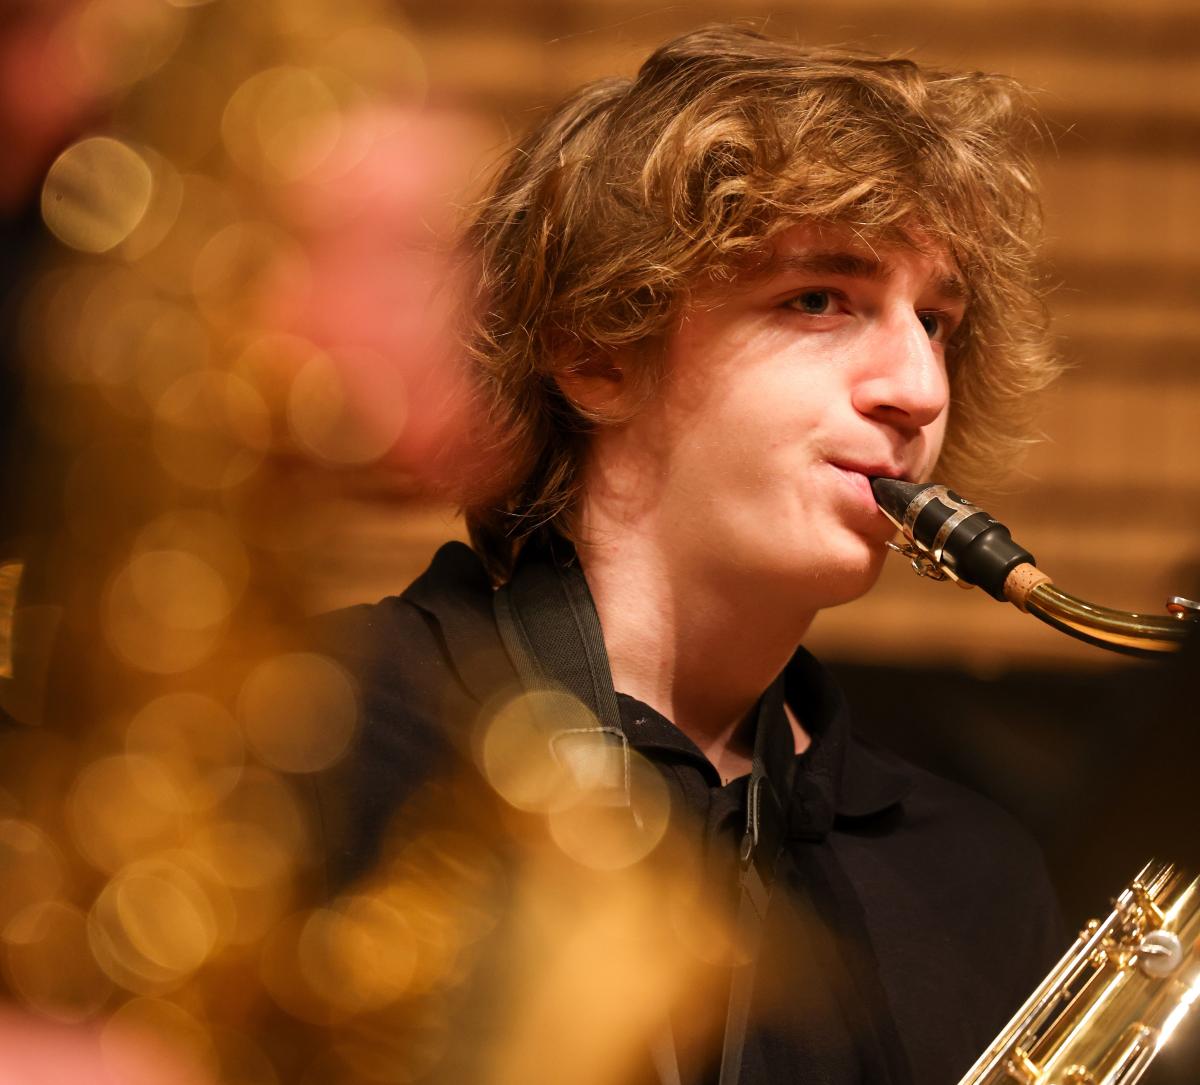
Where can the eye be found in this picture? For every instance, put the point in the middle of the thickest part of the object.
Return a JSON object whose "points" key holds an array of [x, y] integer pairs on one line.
{"points": [[813, 302], [936, 325]]}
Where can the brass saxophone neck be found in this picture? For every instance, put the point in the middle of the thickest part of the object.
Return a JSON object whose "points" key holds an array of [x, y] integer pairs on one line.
{"points": [[948, 538]]}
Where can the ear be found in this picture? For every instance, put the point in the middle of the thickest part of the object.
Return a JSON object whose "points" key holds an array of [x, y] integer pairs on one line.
{"points": [[599, 384]]}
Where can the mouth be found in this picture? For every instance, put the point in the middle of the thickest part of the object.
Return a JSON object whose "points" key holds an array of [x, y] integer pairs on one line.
{"points": [[873, 470], [858, 476]]}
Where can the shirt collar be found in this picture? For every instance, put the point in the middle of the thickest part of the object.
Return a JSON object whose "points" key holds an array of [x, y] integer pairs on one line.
{"points": [[862, 781], [838, 776]]}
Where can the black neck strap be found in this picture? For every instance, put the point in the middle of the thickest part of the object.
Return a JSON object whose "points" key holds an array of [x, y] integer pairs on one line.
{"points": [[551, 632]]}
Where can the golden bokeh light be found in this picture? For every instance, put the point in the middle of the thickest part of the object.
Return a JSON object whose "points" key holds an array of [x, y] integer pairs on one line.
{"points": [[223, 900], [382, 58], [165, 1025], [513, 748], [441, 941], [241, 854], [263, 799], [96, 193], [306, 19], [211, 430], [174, 343], [114, 356], [205, 209], [152, 926], [395, 1049], [165, 611], [360, 952], [166, 199], [325, 420], [208, 536], [245, 912], [105, 330], [179, 589], [121, 807], [195, 740], [327, 964], [457, 873], [603, 833], [118, 42], [235, 269], [49, 966], [56, 329], [281, 123], [31, 869], [299, 711], [601, 981], [702, 926], [248, 874], [285, 981], [270, 362]]}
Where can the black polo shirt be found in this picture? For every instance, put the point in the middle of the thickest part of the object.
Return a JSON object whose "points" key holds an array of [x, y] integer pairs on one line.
{"points": [[911, 917]]}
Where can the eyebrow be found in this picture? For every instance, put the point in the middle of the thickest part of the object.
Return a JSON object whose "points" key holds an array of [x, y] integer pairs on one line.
{"points": [[857, 266]]}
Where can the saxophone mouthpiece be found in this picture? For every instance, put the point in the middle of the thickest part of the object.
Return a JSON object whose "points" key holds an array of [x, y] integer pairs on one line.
{"points": [[948, 538], [956, 536], [894, 495]]}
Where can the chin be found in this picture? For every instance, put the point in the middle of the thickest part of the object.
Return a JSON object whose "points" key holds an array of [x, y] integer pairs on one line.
{"points": [[849, 576]]}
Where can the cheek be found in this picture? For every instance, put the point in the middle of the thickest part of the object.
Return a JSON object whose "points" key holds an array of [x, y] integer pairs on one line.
{"points": [[935, 434]]}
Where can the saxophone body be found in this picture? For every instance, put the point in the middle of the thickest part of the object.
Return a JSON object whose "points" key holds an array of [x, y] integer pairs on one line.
{"points": [[1120, 992], [1114, 999]]}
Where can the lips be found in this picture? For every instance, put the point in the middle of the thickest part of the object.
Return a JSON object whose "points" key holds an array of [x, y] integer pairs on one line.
{"points": [[873, 470], [856, 480]]}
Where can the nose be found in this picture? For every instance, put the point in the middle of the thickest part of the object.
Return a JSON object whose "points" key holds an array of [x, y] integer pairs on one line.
{"points": [[903, 380]]}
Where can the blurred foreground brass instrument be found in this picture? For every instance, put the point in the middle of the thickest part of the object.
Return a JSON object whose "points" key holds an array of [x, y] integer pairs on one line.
{"points": [[1121, 990], [948, 538]]}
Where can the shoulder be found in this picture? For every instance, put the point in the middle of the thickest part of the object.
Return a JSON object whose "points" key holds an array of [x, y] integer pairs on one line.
{"points": [[423, 662], [959, 846], [439, 631], [357, 634], [962, 913], [970, 830]]}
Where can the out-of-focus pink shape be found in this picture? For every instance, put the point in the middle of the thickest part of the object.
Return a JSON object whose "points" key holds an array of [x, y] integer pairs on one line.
{"points": [[381, 287], [45, 94], [38, 1052]]}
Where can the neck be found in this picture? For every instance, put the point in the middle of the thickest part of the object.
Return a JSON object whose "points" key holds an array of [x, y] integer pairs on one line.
{"points": [[698, 647]]}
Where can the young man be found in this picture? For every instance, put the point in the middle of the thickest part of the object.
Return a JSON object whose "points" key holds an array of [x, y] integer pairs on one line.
{"points": [[713, 302]]}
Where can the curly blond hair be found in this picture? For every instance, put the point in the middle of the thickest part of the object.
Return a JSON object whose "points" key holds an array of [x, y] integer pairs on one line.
{"points": [[632, 193]]}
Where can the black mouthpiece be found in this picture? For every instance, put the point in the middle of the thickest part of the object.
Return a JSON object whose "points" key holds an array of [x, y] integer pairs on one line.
{"points": [[894, 496], [966, 540]]}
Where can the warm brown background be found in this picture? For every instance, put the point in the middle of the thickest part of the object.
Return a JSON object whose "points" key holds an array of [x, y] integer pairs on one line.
{"points": [[1110, 501]]}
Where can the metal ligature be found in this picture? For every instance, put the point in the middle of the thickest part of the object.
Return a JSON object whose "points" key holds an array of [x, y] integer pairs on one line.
{"points": [[1118, 994]]}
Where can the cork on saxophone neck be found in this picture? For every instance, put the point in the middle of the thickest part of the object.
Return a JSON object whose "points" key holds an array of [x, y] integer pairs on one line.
{"points": [[1020, 581]]}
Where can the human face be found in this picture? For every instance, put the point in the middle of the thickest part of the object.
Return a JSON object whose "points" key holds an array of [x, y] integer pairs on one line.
{"points": [[782, 398]]}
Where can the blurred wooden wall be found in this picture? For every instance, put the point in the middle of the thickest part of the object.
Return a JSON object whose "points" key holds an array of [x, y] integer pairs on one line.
{"points": [[1110, 502]]}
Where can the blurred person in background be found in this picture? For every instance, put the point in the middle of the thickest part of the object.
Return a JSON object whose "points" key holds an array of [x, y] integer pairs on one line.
{"points": [[711, 302]]}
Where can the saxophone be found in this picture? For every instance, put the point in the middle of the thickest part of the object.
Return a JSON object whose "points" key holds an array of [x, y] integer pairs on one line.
{"points": [[1116, 997]]}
